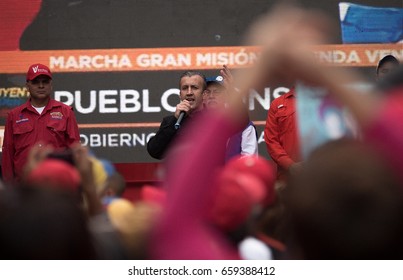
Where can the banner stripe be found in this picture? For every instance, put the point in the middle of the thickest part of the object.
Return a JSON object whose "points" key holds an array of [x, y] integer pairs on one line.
{"points": [[166, 59]]}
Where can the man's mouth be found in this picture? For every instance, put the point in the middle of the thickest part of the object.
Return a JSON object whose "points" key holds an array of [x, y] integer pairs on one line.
{"points": [[191, 100]]}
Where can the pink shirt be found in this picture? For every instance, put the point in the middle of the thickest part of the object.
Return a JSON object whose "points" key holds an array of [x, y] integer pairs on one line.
{"points": [[183, 231]]}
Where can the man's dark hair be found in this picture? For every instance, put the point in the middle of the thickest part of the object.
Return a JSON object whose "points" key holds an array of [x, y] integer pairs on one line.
{"points": [[194, 73], [386, 59]]}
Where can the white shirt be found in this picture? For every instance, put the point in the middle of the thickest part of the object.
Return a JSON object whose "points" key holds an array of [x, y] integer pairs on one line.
{"points": [[249, 145]]}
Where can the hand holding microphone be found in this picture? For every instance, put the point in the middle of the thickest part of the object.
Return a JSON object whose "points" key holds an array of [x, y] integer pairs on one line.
{"points": [[181, 110], [178, 122]]}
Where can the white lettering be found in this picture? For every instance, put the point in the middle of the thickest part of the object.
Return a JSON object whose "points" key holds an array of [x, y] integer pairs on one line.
{"points": [[164, 99], [91, 107], [89, 62], [353, 57], [159, 60], [59, 95], [115, 140], [146, 107], [125, 140], [133, 100], [265, 102], [103, 101], [95, 140]]}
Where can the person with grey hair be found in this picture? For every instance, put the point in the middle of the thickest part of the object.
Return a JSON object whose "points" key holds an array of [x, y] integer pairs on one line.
{"points": [[191, 87]]}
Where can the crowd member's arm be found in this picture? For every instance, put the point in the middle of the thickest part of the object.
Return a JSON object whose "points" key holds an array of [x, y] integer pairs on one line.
{"points": [[228, 78], [7, 163], [36, 155], [183, 232], [84, 167]]}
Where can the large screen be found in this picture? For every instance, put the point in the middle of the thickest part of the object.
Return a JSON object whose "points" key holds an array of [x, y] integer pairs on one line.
{"points": [[117, 62]]}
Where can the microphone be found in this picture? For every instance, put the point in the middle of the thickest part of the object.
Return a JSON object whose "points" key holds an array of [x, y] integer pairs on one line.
{"points": [[178, 122]]}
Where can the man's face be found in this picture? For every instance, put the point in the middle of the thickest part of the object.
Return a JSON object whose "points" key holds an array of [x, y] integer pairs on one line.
{"points": [[215, 96], [385, 69], [191, 89], [40, 88]]}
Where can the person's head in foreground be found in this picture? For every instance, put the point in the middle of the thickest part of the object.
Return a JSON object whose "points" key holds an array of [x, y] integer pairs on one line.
{"points": [[346, 204]]}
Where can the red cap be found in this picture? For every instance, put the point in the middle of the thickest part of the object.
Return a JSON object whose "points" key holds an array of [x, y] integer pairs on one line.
{"points": [[38, 69], [57, 174], [234, 199], [258, 167], [152, 194]]}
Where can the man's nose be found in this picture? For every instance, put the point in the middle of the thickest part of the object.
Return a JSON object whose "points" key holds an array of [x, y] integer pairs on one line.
{"points": [[41, 84], [189, 91]]}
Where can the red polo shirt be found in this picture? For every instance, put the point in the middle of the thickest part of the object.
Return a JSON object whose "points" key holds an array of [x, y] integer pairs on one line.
{"points": [[280, 133], [56, 126]]}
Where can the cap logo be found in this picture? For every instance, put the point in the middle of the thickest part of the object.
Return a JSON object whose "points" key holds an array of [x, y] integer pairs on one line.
{"points": [[37, 69]]}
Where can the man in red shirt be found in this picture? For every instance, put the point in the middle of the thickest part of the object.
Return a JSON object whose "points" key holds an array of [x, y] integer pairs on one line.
{"points": [[280, 134], [40, 120]]}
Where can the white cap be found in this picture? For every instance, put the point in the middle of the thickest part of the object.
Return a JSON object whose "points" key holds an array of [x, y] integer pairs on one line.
{"points": [[253, 249]]}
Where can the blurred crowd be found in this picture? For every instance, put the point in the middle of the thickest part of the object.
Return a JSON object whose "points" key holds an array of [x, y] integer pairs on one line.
{"points": [[345, 201]]}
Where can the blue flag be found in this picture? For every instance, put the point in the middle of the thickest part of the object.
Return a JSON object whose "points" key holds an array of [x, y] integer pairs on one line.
{"points": [[365, 24]]}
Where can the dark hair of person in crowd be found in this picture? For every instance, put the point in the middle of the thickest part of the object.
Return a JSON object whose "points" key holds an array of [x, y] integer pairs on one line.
{"points": [[43, 224], [346, 204], [386, 66], [271, 226]]}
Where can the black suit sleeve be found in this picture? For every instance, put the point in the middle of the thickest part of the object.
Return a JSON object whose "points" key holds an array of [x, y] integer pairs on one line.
{"points": [[158, 145]]}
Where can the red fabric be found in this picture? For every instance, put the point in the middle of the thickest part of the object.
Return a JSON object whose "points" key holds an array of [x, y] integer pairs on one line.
{"points": [[257, 167], [280, 132], [15, 16], [57, 174], [386, 133], [36, 70], [57, 126], [183, 231]]}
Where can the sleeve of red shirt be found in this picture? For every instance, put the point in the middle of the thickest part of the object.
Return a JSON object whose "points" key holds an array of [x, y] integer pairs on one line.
{"points": [[271, 137], [72, 128], [8, 151]]}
